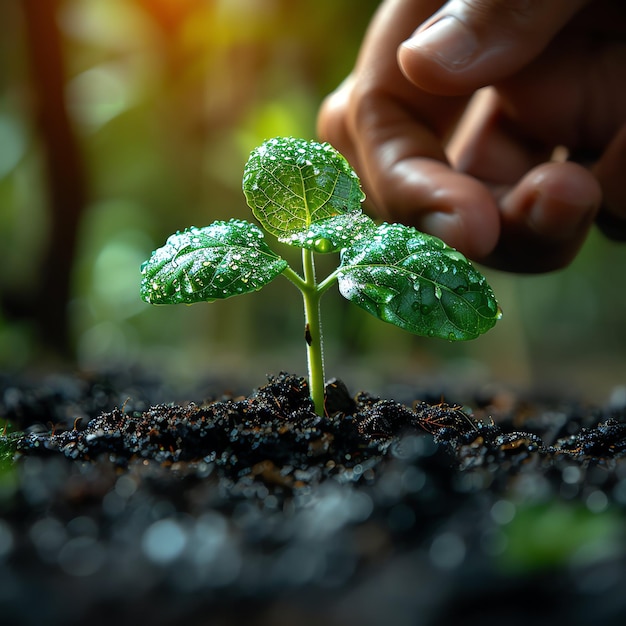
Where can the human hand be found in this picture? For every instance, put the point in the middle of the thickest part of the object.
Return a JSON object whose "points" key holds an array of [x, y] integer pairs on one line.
{"points": [[453, 128]]}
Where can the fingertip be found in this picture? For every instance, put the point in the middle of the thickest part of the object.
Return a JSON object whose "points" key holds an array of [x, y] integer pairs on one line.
{"points": [[467, 45], [447, 204], [558, 201], [546, 218], [435, 57], [458, 232]]}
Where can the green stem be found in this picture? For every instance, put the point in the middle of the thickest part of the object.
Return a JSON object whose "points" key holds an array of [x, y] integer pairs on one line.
{"points": [[295, 278], [330, 280], [311, 295], [313, 331]]}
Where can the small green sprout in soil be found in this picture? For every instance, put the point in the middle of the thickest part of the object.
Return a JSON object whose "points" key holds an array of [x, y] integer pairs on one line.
{"points": [[306, 194]]}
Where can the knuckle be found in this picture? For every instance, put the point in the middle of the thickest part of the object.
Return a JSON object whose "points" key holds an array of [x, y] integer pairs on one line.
{"points": [[336, 106], [331, 117], [368, 103]]}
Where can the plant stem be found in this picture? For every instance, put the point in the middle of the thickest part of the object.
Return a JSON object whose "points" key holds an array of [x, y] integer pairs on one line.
{"points": [[313, 331], [294, 278], [311, 295], [330, 280]]}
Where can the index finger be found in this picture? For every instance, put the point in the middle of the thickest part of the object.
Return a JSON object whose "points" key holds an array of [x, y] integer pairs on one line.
{"points": [[396, 134]]}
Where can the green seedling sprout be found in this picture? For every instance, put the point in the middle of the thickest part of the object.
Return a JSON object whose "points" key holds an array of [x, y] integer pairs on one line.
{"points": [[306, 194]]}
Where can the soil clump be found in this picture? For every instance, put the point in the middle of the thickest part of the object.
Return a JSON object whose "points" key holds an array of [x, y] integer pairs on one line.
{"points": [[255, 509]]}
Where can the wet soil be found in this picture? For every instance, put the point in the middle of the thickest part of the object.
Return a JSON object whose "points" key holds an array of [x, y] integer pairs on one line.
{"points": [[119, 508]]}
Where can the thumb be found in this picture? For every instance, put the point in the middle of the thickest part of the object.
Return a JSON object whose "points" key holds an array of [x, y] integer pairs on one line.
{"points": [[468, 44]]}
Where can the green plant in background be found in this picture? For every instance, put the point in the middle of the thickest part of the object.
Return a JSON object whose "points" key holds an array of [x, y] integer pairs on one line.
{"points": [[307, 195]]}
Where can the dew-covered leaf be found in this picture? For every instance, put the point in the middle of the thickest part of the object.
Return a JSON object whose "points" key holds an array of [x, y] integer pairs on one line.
{"points": [[333, 233], [419, 283], [291, 184], [204, 264]]}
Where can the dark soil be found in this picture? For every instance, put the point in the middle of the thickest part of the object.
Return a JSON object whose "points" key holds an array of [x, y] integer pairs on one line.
{"points": [[254, 510]]}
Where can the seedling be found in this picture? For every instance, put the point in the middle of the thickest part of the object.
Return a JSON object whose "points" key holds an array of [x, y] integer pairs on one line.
{"points": [[307, 195]]}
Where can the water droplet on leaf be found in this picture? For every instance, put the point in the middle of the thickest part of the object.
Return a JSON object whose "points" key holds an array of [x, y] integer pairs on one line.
{"points": [[322, 245]]}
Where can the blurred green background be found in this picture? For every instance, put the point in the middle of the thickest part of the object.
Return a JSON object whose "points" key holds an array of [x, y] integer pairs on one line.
{"points": [[122, 121]]}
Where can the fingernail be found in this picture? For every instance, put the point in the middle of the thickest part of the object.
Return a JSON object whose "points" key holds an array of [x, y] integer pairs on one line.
{"points": [[448, 41]]}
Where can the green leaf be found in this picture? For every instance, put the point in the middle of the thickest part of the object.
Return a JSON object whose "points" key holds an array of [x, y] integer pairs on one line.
{"points": [[333, 233], [417, 282], [291, 184], [204, 264]]}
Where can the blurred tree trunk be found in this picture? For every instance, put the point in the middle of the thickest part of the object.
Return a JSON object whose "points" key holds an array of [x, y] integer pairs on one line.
{"points": [[66, 186]]}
